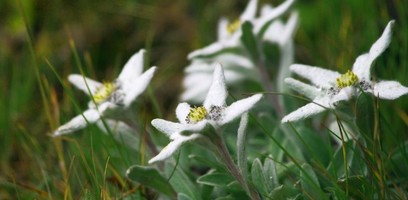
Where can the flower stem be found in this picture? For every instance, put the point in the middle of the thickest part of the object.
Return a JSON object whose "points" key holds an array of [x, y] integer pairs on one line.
{"points": [[232, 168], [266, 84], [146, 137]]}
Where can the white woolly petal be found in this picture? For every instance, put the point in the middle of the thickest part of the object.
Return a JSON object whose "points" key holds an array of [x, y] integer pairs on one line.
{"points": [[250, 11], [274, 32], [344, 94], [173, 146], [208, 50], [182, 111], [223, 29], [134, 67], [265, 9], [362, 65], [169, 128], [218, 92], [196, 86], [232, 76], [79, 122], [318, 76], [83, 83], [199, 66], [134, 88], [382, 43], [273, 14], [307, 90], [304, 112], [239, 107], [281, 33], [389, 90], [234, 61]]}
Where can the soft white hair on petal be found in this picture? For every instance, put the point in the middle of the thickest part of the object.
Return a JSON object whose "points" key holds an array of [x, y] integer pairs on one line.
{"points": [[79, 122], [169, 128], [137, 86], [223, 29], [173, 146], [383, 42], [306, 111], [217, 93], [273, 14], [237, 108], [196, 87], [250, 11], [233, 61], [182, 111], [208, 50], [133, 67], [389, 90], [318, 76], [290, 27], [307, 90], [199, 65], [83, 83], [363, 63], [360, 67]]}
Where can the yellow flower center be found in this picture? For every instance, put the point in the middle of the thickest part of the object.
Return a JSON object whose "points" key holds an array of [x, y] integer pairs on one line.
{"points": [[104, 92], [233, 26], [347, 79], [196, 114]]}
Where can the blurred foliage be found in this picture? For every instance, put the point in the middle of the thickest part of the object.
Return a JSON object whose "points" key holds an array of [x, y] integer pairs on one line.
{"points": [[35, 39]]}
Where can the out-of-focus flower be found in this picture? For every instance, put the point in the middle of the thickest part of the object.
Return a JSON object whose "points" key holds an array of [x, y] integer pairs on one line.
{"points": [[193, 120], [238, 66], [329, 87], [198, 76], [109, 99], [229, 33]]}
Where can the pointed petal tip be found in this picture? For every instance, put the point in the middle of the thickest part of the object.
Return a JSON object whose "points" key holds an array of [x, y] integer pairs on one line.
{"points": [[152, 161], [155, 121]]}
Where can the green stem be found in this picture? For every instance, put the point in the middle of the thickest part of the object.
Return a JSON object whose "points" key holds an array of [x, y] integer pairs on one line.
{"points": [[266, 83], [232, 168]]}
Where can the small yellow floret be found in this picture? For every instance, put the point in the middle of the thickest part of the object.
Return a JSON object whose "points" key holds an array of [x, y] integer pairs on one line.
{"points": [[233, 26], [347, 79], [104, 92], [196, 114]]}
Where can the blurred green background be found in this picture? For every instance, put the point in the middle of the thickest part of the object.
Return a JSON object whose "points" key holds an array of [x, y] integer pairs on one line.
{"points": [[36, 36]]}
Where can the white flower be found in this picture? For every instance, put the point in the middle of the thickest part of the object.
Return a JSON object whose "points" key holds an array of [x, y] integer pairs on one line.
{"points": [[239, 67], [330, 87], [109, 98], [229, 33], [198, 76], [193, 120]]}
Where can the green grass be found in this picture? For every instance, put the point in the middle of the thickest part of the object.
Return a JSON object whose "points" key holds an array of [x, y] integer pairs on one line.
{"points": [[37, 55]]}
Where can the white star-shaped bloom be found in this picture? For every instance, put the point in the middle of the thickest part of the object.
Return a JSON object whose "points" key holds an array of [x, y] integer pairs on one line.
{"points": [[198, 76], [193, 120], [229, 33], [239, 67], [108, 99], [329, 87]]}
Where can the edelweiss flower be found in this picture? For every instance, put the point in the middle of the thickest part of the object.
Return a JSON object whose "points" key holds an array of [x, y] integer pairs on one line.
{"points": [[193, 120], [198, 76], [239, 67], [229, 33], [110, 97], [330, 87]]}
